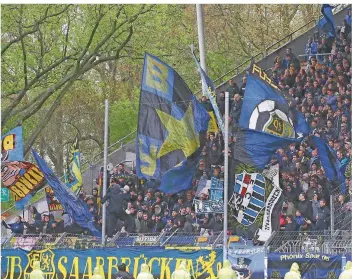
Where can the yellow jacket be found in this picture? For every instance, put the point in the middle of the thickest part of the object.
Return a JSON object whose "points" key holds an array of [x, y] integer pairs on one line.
{"points": [[347, 273], [145, 273], [227, 272], [181, 272], [36, 273], [294, 272]]}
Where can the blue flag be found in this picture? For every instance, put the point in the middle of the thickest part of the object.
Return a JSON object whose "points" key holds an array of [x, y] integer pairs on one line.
{"points": [[327, 23], [209, 91], [256, 148], [329, 161], [75, 207], [12, 145], [73, 175], [265, 108], [171, 130]]}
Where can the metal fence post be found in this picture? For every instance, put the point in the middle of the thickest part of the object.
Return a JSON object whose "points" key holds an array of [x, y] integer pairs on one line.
{"points": [[332, 214]]}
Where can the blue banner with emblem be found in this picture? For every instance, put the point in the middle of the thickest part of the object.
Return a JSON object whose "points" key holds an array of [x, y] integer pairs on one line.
{"points": [[311, 265], [172, 127], [69, 263], [247, 259], [12, 145], [266, 109]]}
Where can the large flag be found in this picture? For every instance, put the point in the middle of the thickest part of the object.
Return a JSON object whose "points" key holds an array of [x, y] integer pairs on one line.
{"points": [[256, 148], [12, 145], [73, 175], [172, 127], [327, 22], [209, 91], [23, 179], [329, 161], [265, 108], [75, 207]]}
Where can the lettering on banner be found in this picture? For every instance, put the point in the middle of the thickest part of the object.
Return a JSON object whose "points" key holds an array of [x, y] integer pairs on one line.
{"points": [[80, 264], [209, 206]]}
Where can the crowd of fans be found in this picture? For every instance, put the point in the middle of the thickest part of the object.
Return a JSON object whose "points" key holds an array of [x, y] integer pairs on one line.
{"points": [[321, 89]]}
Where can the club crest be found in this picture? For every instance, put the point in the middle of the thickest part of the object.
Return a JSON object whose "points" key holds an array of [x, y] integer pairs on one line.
{"points": [[46, 259], [248, 197]]}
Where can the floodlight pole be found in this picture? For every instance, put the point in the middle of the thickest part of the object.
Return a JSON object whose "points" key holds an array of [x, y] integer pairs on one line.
{"points": [[201, 41], [105, 173], [226, 174]]}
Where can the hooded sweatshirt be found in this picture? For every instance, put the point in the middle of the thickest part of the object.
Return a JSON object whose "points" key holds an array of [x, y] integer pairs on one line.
{"points": [[347, 273], [227, 272], [181, 272], [36, 273], [294, 272], [145, 273], [97, 273]]}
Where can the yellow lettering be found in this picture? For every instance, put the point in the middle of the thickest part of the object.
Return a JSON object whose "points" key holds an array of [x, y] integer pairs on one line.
{"points": [[26, 183], [18, 192], [157, 75], [30, 179], [61, 267], [151, 263], [136, 266], [8, 143], [190, 267], [89, 267], [165, 271], [13, 269], [149, 158], [74, 269], [35, 175], [100, 264], [111, 265], [256, 69]]}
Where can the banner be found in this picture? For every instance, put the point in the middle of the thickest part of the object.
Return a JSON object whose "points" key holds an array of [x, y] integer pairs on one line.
{"points": [[212, 125], [247, 258], [208, 206], [73, 175], [172, 127], [209, 91], [254, 192], [12, 145], [75, 207], [53, 203], [311, 265], [68, 263], [215, 204], [23, 179]]}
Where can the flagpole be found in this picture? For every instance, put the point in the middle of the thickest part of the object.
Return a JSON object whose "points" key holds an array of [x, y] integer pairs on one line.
{"points": [[201, 41], [105, 174], [226, 173]]}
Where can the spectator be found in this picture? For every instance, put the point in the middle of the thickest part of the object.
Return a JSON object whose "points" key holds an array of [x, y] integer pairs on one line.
{"points": [[323, 217], [291, 225], [304, 206], [17, 227], [122, 273]]}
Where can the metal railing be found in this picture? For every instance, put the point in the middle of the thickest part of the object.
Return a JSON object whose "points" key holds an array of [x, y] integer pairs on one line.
{"points": [[121, 239], [338, 242], [41, 193]]}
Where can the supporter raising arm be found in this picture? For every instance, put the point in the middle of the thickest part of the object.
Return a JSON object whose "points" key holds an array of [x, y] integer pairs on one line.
{"points": [[17, 227]]}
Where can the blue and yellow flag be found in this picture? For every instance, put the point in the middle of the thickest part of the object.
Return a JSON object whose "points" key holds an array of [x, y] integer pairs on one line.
{"points": [[12, 145], [73, 175], [76, 208], [172, 127]]}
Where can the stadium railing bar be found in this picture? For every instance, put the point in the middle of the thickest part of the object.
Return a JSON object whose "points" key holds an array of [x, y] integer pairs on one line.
{"points": [[338, 242]]}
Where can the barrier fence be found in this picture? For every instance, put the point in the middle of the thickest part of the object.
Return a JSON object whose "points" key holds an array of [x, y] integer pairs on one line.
{"points": [[325, 242], [73, 241]]}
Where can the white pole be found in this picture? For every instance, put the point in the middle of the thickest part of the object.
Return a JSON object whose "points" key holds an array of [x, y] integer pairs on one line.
{"points": [[201, 41], [105, 174], [226, 172]]}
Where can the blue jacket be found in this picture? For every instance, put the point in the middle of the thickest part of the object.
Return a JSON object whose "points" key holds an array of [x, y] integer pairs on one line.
{"points": [[14, 227]]}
